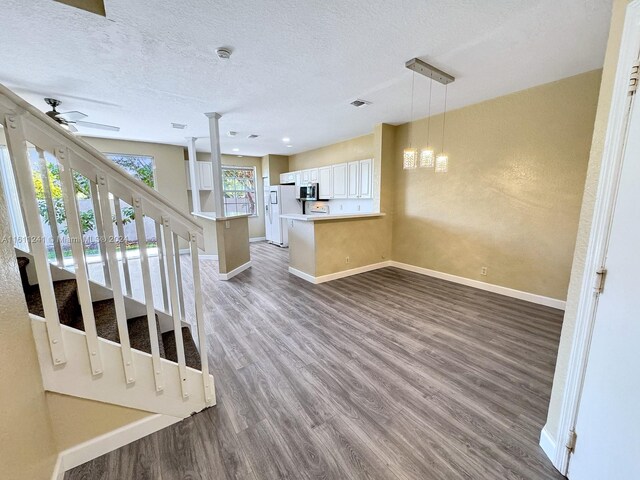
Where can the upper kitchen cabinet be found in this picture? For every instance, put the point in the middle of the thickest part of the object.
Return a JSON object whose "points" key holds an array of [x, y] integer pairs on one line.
{"points": [[325, 183], [204, 175], [353, 174], [313, 175], [339, 174], [365, 175], [288, 178]]}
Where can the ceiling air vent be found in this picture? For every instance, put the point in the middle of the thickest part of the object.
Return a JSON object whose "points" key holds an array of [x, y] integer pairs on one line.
{"points": [[179, 126], [360, 103], [253, 135]]}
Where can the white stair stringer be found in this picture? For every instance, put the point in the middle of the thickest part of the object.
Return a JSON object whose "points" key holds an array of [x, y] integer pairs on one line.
{"points": [[75, 378]]}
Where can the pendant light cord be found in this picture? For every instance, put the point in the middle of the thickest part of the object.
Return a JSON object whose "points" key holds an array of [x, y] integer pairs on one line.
{"points": [[444, 117], [413, 82], [429, 115]]}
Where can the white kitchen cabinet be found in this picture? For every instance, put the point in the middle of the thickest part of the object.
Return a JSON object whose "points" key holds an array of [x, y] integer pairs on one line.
{"points": [[298, 182], [365, 174], [205, 175], [325, 183], [283, 178], [291, 177], [306, 176], [353, 179], [339, 174], [313, 175]]}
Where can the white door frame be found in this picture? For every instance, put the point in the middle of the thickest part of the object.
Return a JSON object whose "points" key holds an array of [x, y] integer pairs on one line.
{"points": [[600, 230]]}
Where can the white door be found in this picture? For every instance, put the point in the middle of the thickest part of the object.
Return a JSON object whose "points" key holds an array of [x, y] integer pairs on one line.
{"points": [[608, 422], [325, 183], [267, 214], [366, 169], [339, 174]]}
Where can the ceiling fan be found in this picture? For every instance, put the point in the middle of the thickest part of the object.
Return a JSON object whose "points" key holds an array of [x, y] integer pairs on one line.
{"points": [[70, 119]]}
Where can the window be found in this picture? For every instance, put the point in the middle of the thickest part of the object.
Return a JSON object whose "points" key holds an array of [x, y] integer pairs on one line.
{"points": [[239, 190], [140, 166]]}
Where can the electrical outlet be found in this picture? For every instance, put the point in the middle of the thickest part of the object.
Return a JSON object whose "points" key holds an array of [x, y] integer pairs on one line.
{"points": [[227, 224], [358, 207], [483, 271], [346, 260], [340, 206]]}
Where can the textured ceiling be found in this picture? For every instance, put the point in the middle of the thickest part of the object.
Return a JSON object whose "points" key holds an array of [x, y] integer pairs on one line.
{"points": [[295, 65]]}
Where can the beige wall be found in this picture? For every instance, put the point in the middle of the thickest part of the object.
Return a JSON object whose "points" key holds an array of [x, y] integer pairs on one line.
{"points": [[302, 246], [586, 214], [76, 420], [353, 149], [28, 448], [273, 166], [170, 177], [256, 223], [511, 199], [233, 243]]}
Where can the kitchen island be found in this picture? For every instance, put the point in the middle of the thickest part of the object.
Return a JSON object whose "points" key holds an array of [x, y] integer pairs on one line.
{"points": [[325, 247]]}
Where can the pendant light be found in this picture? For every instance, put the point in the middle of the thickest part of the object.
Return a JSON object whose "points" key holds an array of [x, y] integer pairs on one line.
{"points": [[442, 160], [409, 156], [427, 154]]}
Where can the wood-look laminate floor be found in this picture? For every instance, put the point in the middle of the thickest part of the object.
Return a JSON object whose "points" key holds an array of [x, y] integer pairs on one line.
{"points": [[383, 375]]}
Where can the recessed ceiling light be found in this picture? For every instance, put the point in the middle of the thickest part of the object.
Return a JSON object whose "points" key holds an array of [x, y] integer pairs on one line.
{"points": [[236, 149], [179, 126], [289, 146], [286, 139]]}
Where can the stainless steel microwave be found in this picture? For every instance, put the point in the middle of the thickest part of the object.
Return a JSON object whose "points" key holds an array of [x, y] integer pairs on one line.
{"points": [[309, 192]]}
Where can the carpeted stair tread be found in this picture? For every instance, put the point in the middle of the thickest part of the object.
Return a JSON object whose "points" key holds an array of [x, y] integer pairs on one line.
{"points": [[107, 327], [66, 299], [192, 356], [22, 266]]}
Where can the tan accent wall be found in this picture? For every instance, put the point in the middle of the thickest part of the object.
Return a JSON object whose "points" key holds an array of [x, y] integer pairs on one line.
{"points": [[28, 448], [346, 151], [233, 243], [586, 214], [273, 166], [76, 420], [170, 177], [256, 223], [512, 196]]}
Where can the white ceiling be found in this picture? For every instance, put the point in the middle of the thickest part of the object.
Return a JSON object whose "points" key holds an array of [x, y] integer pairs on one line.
{"points": [[295, 65]]}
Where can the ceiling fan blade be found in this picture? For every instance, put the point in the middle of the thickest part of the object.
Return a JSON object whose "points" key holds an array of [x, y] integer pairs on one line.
{"points": [[98, 126], [71, 128], [73, 116]]}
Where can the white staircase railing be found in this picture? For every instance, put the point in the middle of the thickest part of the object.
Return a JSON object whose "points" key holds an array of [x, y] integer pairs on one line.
{"points": [[26, 126]]}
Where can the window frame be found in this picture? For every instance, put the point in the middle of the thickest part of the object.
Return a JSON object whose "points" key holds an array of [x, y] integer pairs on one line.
{"points": [[254, 191]]}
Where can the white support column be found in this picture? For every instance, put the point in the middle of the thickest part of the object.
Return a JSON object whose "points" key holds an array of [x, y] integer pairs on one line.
{"points": [[216, 161], [193, 174]]}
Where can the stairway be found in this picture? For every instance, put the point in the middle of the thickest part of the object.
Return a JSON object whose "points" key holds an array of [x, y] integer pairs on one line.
{"points": [[106, 320]]}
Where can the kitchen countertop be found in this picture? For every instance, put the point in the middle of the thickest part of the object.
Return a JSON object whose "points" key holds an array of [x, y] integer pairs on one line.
{"points": [[323, 216]]}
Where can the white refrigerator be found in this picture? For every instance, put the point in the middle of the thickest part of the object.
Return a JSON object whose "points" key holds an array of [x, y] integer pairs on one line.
{"points": [[279, 200]]}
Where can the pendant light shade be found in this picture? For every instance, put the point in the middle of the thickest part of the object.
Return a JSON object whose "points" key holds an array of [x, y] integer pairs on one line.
{"points": [[409, 158], [442, 163], [427, 157]]}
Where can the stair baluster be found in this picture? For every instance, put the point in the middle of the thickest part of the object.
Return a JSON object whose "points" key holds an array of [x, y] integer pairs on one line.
{"points": [[138, 207], [114, 272], [123, 245], [80, 266], [175, 308], [17, 144], [51, 213], [161, 265], [97, 214]]}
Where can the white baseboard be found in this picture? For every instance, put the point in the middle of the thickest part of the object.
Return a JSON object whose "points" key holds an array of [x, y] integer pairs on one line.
{"points": [[257, 239], [548, 444], [108, 442], [509, 292], [337, 275], [234, 272]]}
